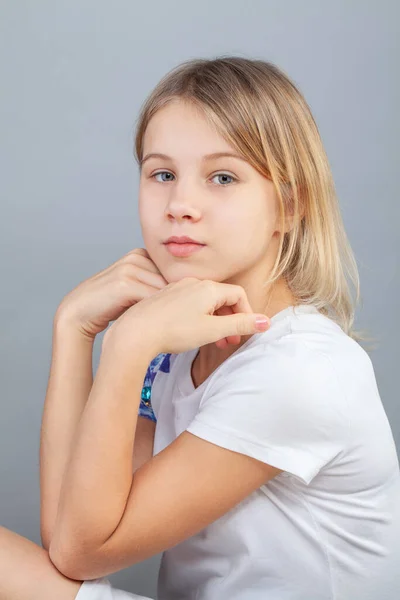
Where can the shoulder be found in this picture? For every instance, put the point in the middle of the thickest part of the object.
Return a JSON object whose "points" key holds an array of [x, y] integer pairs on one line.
{"points": [[300, 368], [279, 401], [315, 348], [325, 343], [323, 336], [286, 361]]}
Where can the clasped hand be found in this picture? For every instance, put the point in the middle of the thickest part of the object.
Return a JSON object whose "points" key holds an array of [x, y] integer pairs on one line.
{"points": [[185, 315]]}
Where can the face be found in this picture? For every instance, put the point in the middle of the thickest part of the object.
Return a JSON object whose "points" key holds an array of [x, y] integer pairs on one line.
{"points": [[222, 202]]}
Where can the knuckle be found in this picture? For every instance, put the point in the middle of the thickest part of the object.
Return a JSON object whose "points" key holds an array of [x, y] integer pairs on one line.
{"points": [[132, 257], [129, 259], [188, 279], [208, 283], [125, 271], [238, 288], [140, 251]]}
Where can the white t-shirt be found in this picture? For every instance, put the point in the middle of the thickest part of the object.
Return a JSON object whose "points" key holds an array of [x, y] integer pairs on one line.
{"points": [[302, 397]]}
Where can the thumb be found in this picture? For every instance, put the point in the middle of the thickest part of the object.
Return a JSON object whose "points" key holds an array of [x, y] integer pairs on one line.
{"points": [[242, 324]]}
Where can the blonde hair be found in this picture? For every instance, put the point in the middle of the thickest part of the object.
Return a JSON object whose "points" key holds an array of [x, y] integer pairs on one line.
{"points": [[259, 111]]}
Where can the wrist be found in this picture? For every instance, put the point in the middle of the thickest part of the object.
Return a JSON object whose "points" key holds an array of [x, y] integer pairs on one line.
{"points": [[64, 326], [119, 347]]}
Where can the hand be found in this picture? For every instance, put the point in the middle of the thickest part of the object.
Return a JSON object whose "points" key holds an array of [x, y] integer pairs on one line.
{"points": [[182, 317], [105, 296]]}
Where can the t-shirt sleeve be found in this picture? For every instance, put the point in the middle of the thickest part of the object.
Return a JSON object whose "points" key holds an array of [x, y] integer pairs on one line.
{"points": [[280, 403]]}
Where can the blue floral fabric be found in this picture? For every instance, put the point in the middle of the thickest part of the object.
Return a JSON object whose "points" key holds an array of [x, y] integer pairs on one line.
{"points": [[160, 362]]}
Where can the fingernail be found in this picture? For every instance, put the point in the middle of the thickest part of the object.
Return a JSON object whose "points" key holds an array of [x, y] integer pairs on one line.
{"points": [[262, 323]]}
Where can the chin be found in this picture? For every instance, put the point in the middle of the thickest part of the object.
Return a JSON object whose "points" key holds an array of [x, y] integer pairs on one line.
{"points": [[175, 277], [175, 272]]}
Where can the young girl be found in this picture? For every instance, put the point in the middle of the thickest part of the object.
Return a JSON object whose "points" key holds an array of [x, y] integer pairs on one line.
{"points": [[264, 466]]}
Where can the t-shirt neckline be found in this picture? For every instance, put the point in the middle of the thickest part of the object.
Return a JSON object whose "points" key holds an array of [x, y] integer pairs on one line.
{"points": [[185, 382]]}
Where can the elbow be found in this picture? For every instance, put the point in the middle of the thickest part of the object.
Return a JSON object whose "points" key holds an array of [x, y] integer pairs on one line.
{"points": [[67, 563], [62, 562], [45, 535], [75, 564], [45, 543]]}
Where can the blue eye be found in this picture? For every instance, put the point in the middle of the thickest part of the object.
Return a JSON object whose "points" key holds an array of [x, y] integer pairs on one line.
{"points": [[225, 175], [160, 173], [217, 175]]}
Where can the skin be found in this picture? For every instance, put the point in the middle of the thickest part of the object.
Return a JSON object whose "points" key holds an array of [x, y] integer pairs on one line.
{"points": [[27, 573], [246, 211], [168, 501], [183, 195]]}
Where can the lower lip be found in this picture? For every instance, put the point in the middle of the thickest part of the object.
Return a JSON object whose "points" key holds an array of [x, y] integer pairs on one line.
{"points": [[183, 249]]}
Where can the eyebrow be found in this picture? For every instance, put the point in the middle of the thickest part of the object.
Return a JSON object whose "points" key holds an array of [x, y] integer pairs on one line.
{"points": [[204, 159]]}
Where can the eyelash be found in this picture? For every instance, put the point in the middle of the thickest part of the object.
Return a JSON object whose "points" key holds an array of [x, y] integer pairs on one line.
{"points": [[216, 174]]}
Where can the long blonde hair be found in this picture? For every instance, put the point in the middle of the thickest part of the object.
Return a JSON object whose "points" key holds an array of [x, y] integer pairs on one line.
{"points": [[259, 111]]}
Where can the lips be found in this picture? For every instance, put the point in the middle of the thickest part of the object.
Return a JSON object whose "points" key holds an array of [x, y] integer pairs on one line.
{"points": [[182, 240], [183, 249]]}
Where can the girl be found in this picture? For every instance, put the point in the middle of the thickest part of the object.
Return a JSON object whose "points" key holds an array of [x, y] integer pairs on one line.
{"points": [[263, 462]]}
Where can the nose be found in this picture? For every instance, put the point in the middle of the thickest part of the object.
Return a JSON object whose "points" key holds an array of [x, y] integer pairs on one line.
{"points": [[182, 204]]}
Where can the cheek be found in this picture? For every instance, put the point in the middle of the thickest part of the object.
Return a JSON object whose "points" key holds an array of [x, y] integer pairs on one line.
{"points": [[248, 221], [147, 214], [151, 203], [150, 233], [248, 234]]}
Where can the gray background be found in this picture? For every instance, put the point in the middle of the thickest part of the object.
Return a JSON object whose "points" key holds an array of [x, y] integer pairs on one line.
{"points": [[73, 77]]}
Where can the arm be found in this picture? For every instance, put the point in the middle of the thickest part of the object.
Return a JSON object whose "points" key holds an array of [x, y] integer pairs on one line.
{"points": [[99, 473], [144, 442], [109, 519], [66, 398], [68, 388]]}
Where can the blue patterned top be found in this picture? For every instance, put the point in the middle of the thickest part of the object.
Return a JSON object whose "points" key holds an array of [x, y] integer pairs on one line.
{"points": [[160, 362]]}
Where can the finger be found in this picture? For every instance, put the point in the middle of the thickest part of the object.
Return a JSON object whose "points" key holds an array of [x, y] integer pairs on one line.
{"points": [[230, 339], [216, 328], [140, 256], [143, 270], [242, 305], [136, 273], [153, 279], [226, 341], [232, 296], [236, 298], [222, 344], [141, 251]]}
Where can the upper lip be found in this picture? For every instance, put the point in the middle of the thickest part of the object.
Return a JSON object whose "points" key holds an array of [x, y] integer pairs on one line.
{"points": [[183, 239]]}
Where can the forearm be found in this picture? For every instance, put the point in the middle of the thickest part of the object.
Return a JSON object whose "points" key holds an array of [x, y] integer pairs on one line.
{"points": [[99, 473], [69, 384]]}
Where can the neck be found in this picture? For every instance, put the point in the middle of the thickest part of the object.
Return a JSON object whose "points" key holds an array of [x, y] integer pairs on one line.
{"points": [[269, 302]]}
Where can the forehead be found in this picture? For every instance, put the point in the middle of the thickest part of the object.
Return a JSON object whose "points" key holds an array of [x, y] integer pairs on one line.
{"points": [[175, 127]]}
